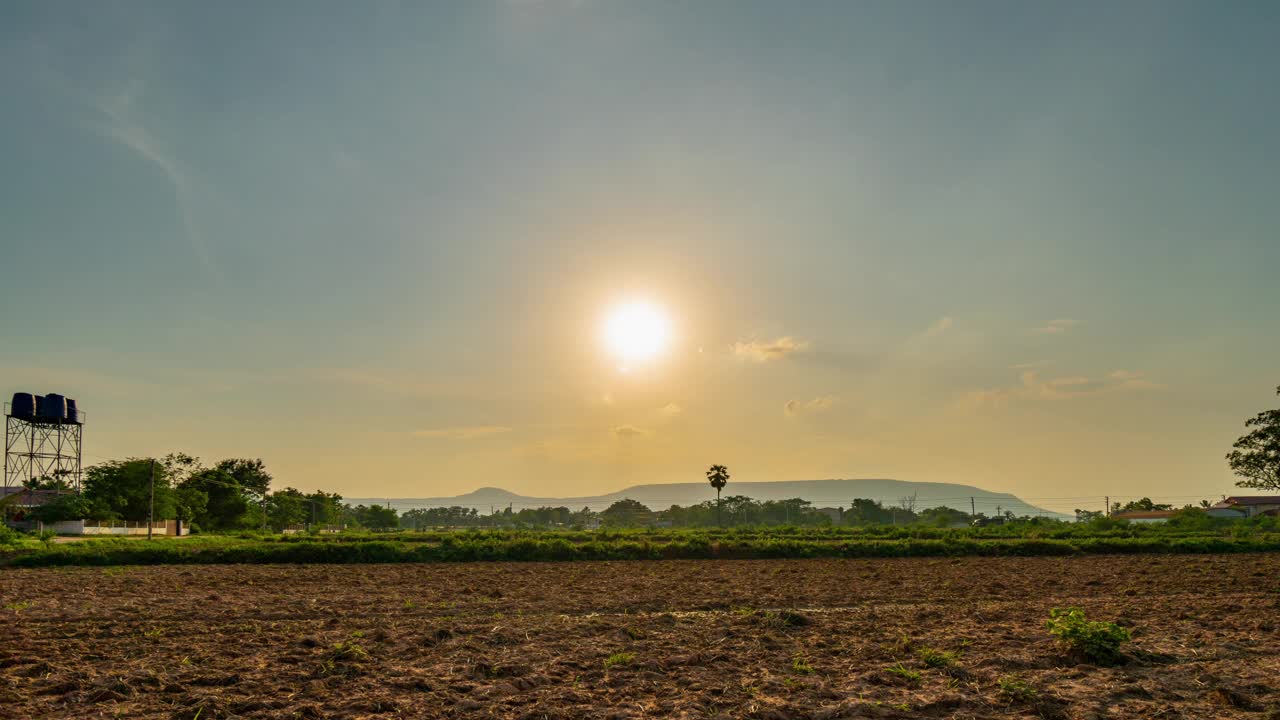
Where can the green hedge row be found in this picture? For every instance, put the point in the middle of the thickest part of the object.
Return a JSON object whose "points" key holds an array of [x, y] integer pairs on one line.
{"points": [[230, 551]]}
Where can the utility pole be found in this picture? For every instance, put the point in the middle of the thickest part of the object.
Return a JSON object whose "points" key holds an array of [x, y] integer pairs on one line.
{"points": [[151, 503], [1106, 509], [973, 509]]}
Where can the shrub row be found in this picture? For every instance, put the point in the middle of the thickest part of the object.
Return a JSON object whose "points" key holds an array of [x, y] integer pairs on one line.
{"points": [[239, 551]]}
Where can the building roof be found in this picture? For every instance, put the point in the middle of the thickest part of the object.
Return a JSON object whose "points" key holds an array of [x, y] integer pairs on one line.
{"points": [[1248, 500], [28, 497], [1144, 515]]}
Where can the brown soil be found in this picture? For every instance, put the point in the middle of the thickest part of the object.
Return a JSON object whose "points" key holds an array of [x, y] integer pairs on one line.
{"points": [[640, 639]]}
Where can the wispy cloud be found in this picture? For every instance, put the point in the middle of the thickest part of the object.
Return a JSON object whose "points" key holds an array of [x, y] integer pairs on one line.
{"points": [[761, 351], [670, 410], [471, 432], [123, 128], [794, 408], [1056, 327], [939, 326], [626, 432], [1031, 386]]}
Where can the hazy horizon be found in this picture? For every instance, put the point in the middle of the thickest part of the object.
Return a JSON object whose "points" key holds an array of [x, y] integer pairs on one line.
{"points": [[565, 247]]}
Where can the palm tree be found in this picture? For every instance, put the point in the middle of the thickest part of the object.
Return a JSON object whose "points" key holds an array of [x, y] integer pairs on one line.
{"points": [[718, 476]]}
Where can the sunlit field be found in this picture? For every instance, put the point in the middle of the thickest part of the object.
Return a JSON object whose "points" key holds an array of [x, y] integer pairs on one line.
{"points": [[827, 638]]}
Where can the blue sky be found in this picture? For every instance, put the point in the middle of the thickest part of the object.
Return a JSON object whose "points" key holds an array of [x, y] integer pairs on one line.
{"points": [[1026, 246]]}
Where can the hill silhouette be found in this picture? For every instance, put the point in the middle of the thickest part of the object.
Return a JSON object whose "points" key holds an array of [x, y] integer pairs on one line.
{"points": [[822, 493]]}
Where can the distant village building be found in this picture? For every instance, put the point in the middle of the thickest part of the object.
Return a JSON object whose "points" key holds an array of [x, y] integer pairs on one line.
{"points": [[1250, 505], [835, 513], [18, 502], [1145, 517]]}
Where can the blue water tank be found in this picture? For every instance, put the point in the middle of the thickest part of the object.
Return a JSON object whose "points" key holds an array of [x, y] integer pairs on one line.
{"points": [[23, 405], [53, 408], [73, 414]]}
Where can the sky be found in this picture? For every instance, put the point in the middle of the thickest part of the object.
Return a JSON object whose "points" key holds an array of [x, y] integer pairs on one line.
{"points": [[1026, 246]]}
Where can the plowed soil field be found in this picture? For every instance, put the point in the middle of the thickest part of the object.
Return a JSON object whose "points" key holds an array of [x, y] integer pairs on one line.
{"points": [[908, 638]]}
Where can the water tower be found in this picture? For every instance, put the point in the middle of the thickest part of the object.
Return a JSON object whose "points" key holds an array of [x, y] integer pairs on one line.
{"points": [[42, 439]]}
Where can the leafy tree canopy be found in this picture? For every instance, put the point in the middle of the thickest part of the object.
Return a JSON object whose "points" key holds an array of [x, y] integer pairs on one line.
{"points": [[1142, 505], [1256, 457], [122, 488], [252, 475]]}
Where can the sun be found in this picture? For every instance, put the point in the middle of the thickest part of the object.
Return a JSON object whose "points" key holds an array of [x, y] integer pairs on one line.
{"points": [[636, 332]]}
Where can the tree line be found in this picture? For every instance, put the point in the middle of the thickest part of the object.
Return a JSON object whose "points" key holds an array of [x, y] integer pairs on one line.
{"points": [[232, 494], [730, 511]]}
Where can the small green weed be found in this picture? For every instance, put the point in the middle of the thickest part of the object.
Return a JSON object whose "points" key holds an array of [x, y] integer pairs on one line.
{"points": [[1096, 641], [800, 665], [937, 659], [349, 650], [1016, 690], [19, 605], [619, 659], [904, 672]]}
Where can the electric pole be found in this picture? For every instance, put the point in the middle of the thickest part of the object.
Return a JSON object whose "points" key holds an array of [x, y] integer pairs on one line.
{"points": [[151, 502], [973, 509]]}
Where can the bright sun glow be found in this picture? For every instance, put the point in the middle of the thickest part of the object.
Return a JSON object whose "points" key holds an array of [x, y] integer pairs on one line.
{"points": [[636, 332]]}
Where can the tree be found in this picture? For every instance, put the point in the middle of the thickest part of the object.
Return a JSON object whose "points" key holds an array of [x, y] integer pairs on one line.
{"points": [[1256, 457], [287, 508], [66, 506], [865, 511], [252, 475], [190, 502], [718, 476], [122, 488], [943, 516], [1143, 505], [626, 513], [908, 504], [180, 466], [373, 517], [225, 506], [57, 482], [325, 508]]}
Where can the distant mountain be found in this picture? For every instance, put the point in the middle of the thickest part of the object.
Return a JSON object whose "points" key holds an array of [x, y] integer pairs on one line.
{"points": [[822, 493]]}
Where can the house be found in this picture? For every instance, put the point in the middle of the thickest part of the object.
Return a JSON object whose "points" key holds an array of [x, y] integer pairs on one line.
{"points": [[18, 501], [16, 504], [1250, 505], [835, 513], [1145, 516]]}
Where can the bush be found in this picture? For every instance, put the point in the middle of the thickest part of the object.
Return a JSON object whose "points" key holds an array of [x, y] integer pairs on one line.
{"points": [[552, 545], [9, 538], [1096, 641]]}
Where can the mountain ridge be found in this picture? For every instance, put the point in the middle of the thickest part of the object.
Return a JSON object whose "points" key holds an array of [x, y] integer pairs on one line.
{"points": [[822, 493]]}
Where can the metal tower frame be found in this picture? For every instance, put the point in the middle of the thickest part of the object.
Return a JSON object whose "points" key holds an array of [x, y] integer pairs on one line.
{"points": [[37, 449]]}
